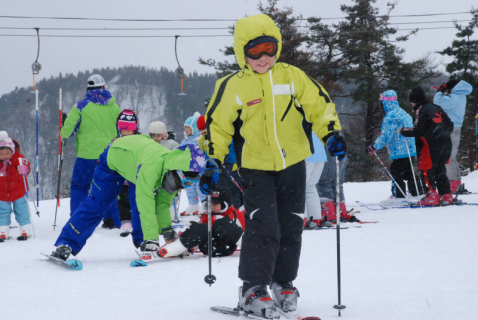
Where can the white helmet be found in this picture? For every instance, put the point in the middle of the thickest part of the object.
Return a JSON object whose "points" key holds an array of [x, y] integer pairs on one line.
{"points": [[96, 81]]}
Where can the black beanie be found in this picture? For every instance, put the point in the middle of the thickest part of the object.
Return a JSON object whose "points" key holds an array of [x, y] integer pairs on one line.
{"points": [[417, 94], [222, 194], [451, 84]]}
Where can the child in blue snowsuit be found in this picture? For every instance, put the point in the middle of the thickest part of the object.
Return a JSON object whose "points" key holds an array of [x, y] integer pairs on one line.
{"points": [[192, 136], [400, 168]]}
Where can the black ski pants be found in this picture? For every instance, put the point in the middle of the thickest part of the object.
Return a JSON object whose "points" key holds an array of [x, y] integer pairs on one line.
{"points": [[401, 171], [275, 204]]}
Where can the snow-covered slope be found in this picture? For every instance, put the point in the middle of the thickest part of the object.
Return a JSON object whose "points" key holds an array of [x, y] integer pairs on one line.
{"points": [[413, 264]]}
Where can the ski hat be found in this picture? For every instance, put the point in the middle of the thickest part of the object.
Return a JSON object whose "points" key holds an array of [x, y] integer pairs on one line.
{"points": [[127, 120], [389, 100], [222, 195], [198, 161], [417, 94], [192, 123], [201, 124], [157, 127], [6, 141], [96, 81]]}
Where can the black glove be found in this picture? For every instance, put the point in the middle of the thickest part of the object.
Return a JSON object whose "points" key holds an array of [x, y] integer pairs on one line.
{"points": [[210, 177], [169, 234], [337, 146], [63, 118]]}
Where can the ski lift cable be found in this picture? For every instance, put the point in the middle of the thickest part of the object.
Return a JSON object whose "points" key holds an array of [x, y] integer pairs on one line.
{"points": [[208, 20], [188, 36], [196, 28]]}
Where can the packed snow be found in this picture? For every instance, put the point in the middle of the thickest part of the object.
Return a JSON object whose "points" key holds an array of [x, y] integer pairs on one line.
{"points": [[413, 264]]}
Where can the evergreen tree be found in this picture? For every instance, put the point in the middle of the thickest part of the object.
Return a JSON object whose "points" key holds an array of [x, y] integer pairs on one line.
{"points": [[465, 67]]}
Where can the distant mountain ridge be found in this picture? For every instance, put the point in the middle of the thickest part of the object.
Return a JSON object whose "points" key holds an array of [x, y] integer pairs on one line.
{"points": [[152, 93]]}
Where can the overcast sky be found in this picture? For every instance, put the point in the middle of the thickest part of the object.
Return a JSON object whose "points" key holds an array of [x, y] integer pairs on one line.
{"points": [[70, 55]]}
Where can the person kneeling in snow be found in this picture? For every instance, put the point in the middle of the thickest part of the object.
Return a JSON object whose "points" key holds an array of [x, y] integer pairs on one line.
{"points": [[227, 229], [13, 187], [399, 148], [156, 174]]}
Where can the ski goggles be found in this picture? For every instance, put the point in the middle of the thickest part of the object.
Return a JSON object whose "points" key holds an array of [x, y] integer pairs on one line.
{"points": [[267, 48], [187, 181]]}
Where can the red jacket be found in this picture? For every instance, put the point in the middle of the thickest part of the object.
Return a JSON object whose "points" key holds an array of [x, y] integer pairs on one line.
{"points": [[232, 213], [11, 183]]}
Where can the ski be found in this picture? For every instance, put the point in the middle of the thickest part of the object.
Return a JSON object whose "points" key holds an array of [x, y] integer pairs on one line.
{"points": [[327, 228], [152, 256], [378, 206], [71, 263], [240, 313], [295, 316], [9, 238]]}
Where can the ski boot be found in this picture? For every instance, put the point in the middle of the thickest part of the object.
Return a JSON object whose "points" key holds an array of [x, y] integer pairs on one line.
{"points": [[126, 229], [4, 233], [25, 232], [62, 252], [191, 210], [328, 210], [173, 249], [256, 300], [454, 185], [109, 223], [447, 199], [285, 295], [431, 199]]}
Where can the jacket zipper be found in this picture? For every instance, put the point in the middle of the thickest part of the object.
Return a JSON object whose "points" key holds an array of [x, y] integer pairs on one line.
{"points": [[275, 125]]}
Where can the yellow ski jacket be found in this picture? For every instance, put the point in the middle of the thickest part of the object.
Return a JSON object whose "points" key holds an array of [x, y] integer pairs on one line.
{"points": [[270, 116]]}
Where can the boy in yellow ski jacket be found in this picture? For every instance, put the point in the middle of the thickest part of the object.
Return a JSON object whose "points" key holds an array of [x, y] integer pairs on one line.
{"points": [[269, 109]]}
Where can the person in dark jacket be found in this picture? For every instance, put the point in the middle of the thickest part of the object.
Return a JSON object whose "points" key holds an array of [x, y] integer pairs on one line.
{"points": [[432, 131]]}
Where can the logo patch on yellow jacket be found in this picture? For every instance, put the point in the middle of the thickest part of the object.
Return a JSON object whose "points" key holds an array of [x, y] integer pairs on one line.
{"points": [[253, 102]]}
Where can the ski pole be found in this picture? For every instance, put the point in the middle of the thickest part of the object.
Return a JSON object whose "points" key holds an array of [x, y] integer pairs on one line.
{"points": [[413, 168], [26, 191], [176, 220], [210, 278], [406, 197], [338, 306], [232, 178], [59, 148], [60, 166], [37, 162]]}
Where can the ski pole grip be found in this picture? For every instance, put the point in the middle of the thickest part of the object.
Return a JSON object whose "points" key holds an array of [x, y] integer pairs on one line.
{"points": [[208, 172]]}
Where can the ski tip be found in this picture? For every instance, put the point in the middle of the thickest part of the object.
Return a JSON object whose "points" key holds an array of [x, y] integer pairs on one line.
{"points": [[311, 318], [74, 264], [138, 263]]}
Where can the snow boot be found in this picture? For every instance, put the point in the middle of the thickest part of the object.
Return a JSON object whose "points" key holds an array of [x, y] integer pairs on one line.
{"points": [[25, 232], [447, 199], [172, 249], [126, 229], [328, 210], [190, 210], [454, 185], [285, 295], [62, 252], [431, 199], [4, 233], [108, 224], [256, 300]]}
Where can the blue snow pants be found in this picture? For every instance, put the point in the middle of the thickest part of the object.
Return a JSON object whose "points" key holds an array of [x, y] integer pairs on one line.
{"points": [[20, 207], [106, 187], [80, 186], [137, 233]]}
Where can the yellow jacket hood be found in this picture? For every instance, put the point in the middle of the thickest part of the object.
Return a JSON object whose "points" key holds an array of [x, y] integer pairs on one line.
{"points": [[248, 29]]}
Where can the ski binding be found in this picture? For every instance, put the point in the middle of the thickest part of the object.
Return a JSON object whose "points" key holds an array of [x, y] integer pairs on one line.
{"points": [[241, 313], [71, 263]]}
